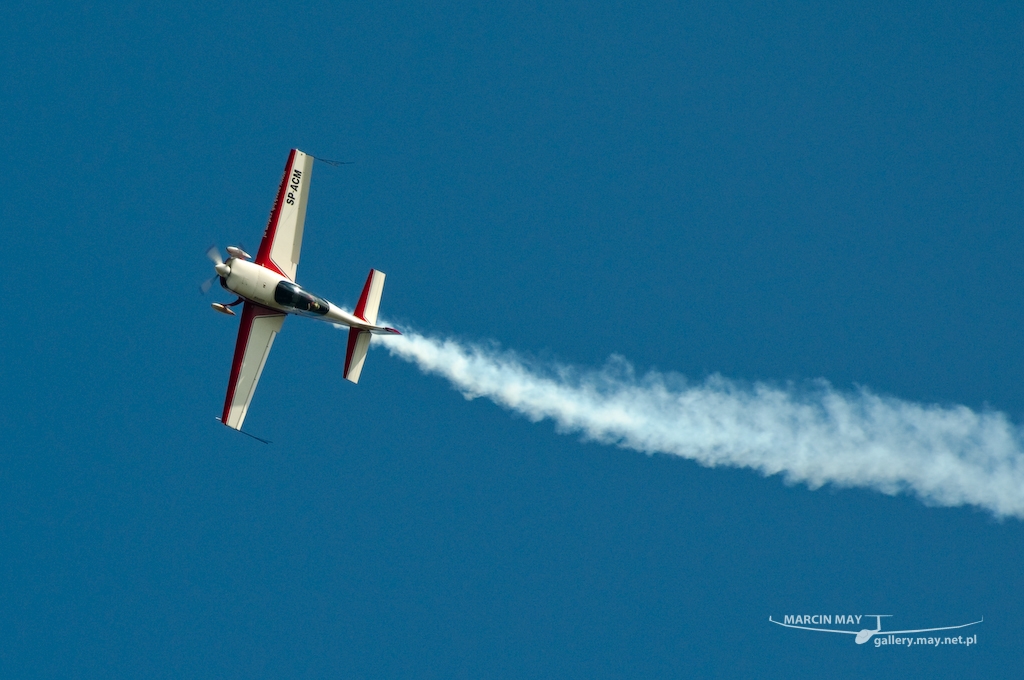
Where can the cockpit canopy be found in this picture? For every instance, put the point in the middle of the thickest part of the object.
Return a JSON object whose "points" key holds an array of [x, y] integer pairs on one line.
{"points": [[291, 296]]}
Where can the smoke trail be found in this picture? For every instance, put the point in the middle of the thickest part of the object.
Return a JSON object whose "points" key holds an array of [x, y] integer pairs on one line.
{"points": [[944, 455]]}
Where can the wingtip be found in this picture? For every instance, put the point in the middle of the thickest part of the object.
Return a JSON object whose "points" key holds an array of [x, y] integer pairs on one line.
{"points": [[240, 430]]}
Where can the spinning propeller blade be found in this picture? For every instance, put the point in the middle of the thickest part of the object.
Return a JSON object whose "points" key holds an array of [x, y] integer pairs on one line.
{"points": [[214, 254]]}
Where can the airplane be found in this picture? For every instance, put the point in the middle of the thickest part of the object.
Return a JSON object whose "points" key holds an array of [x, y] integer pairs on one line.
{"points": [[267, 291], [866, 634]]}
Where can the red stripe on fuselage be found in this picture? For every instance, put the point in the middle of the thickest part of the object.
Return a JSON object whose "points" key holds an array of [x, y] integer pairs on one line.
{"points": [[274, 268], [263, 255]]}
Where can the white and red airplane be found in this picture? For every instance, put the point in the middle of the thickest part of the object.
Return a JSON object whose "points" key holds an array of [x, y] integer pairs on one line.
{"points": [[268, 290]]}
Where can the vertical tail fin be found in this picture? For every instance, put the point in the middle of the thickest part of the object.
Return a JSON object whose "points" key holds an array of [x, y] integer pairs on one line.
{"points": [[369, 301]]}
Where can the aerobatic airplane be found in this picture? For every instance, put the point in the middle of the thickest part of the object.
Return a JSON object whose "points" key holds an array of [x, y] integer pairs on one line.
{"points": [[267, 290]]}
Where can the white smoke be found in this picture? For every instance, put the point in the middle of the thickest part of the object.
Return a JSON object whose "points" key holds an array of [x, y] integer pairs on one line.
{"points": [[944, 455]]}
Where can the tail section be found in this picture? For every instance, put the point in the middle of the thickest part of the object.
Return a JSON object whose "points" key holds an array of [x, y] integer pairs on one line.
{"points": [[355, 355], [358, 339]]}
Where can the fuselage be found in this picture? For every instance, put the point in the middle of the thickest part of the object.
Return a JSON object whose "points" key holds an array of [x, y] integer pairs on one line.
{"points": [[267, 288]]}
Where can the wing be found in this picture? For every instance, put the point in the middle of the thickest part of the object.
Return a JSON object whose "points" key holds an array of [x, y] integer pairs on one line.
{"points": [[928, 630], [282, 241], [256, 333], [820, 630]]}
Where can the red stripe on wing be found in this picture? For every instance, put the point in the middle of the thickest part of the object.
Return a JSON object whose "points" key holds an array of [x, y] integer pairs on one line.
{"points": [[263, 255], [249, 313]]}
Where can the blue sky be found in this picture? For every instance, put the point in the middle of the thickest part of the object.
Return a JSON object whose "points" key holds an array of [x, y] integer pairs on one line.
{"points": [[774, 193]]}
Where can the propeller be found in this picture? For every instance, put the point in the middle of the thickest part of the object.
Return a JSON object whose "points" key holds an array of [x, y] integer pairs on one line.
{"points": [[213, 254], [207, 284], [223, 269]]}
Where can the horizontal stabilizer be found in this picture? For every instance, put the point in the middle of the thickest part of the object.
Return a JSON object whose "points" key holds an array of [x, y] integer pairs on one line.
{"points": [[355, 354], [369, 301]]}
